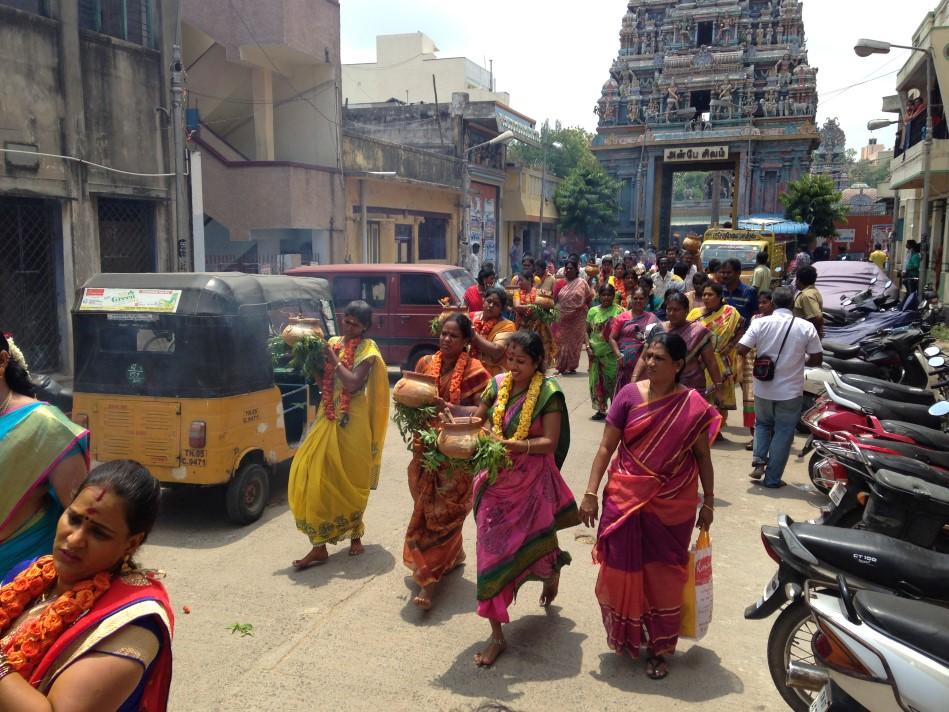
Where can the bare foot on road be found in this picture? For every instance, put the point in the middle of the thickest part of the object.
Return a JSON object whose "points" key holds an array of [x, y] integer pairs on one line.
{"points": [[424, 598], [551, 586], [318, 555], [486, 657], [355, 547]]}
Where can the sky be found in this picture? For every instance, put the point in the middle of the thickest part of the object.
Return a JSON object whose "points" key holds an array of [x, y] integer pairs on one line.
{"points": [[553, 57]]}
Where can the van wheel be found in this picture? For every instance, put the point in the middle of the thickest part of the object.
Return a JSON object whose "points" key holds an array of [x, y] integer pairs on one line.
{"points": [[247, 493], [417, 354]]}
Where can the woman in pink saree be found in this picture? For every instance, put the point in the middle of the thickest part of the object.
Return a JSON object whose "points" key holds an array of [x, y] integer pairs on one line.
{"points": [[573, 297], [663, 431], [519, 512]]}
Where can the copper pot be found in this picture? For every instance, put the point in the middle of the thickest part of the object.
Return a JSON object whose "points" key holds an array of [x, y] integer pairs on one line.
{"points": [[298, 327], [544, 300], [692, 244], [416, 390], [459, 439]]}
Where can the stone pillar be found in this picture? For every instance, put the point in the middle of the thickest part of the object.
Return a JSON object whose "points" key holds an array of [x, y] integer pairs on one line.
{"points": [[262, 84], [716, 197], [937, 218]]}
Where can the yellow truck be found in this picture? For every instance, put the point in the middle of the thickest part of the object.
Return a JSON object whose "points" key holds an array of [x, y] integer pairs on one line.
{"points": [[720, 243]]}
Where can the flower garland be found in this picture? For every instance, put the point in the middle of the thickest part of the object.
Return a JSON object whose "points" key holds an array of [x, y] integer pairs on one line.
{"points": [[31, 642], [521, 297], [527, 411], [347, 359], [454, 385], [484, 328], [15, 353]]}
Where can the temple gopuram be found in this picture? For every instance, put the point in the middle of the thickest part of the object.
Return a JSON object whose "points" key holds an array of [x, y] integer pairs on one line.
{"points": [[708, 85]]}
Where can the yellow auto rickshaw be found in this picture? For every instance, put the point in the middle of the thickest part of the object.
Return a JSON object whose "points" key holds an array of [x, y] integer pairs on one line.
{"points": [[175, 371]]}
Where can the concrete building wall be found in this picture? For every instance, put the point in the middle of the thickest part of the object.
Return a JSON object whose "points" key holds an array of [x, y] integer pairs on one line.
{"points": [[68, 91], [403, 70]]}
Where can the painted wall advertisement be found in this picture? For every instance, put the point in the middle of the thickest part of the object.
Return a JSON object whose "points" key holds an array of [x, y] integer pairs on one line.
{"points": [[475, 220], [847, 235]]}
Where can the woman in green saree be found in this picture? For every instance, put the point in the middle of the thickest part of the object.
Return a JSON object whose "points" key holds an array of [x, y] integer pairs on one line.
{"points": [[603, 363]]}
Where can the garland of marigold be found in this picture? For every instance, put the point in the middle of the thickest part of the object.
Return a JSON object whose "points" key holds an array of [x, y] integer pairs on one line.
{"points": [[454, 385], [484, 328], [347, 358], [31, 642], [521, 297], [527, 412]]}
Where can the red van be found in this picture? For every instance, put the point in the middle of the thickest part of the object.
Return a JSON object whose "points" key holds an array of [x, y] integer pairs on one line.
{"points": [[404, 300]]}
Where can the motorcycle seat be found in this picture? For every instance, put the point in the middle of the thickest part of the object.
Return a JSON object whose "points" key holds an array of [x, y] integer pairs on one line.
{"points": [[927, 437], [879, 559], [853, 365], [908, 466], [920, 626], [888, 409], [839, 350], [886, 389], [933, 458]]}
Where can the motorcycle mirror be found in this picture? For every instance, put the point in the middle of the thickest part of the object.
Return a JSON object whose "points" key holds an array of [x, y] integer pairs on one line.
{"points": [[932, 351], [847, 302], [889, 283], [842, 297], [873, 280], [940, 409], [937, 361]]}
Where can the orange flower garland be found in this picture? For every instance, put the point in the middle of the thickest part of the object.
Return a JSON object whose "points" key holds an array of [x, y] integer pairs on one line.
{"points": [[454, 385], [347, 359], [484, 328], [30, 643]]}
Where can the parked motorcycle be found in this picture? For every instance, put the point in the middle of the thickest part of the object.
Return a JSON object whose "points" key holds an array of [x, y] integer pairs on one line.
{"points": [[52, 392], [861, 304], [811, 552], [895, 356], [886, 653]]}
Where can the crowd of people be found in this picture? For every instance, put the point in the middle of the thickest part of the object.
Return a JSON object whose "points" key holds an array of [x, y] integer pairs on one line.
{"points": [[667, 349]]}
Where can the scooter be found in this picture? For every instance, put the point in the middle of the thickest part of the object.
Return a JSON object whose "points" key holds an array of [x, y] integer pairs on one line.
{"points": [[888, 654], [896, 356], [811, 552], [849, 412], [52, 392]]}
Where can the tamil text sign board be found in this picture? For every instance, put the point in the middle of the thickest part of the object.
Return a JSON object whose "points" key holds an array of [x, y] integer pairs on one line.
{"points": [[697, 153]]}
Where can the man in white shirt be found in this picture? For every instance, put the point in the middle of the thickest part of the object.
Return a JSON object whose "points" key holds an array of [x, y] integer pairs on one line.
{"points": [[664, 278], [778, 401]]}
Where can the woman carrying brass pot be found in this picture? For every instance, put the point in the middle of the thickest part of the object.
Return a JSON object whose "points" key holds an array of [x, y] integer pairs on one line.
{"points": [[442, 500]]}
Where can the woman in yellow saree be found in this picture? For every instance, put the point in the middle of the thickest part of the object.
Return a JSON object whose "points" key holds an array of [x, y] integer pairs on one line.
{"points": [[723, 321], [339, 461]]}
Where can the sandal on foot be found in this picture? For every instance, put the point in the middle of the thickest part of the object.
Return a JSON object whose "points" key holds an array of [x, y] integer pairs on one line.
{"points": [[653, 669]]}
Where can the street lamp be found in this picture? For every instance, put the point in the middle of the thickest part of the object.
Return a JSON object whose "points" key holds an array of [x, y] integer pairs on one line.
{"points": [[864, 48], [543, 180], [877, 124], [502, 138]]}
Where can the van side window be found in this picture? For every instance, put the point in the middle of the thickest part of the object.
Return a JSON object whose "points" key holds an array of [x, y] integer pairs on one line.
{"points": [[371, 290], [421, 289]]}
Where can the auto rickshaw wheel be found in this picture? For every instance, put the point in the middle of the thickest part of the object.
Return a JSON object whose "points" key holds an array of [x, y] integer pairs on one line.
{"points": [[247, 493]]}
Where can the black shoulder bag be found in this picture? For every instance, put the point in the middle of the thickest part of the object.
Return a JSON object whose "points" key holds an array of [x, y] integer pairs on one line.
{"points": [[764, 366]]}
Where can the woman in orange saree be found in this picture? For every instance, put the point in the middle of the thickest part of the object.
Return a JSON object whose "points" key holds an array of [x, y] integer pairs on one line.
{"points": [[649, 503], [442, 500]]}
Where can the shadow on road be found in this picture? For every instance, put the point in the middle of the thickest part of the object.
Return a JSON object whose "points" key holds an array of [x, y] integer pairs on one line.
{"points": [[375, 561], [198, 513], [454, 596], [803, 493], [541, 647], [694, 676]]}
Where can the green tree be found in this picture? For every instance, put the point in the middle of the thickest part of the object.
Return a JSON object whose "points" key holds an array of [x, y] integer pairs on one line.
{"points": [[588, 203], [813, 200], [685, 184], [873, 173], [574, 150]]}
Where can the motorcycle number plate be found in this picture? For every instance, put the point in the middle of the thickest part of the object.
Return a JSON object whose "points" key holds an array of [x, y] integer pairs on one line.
{"points": [[769, 589], [821, 703], [837, 493]]}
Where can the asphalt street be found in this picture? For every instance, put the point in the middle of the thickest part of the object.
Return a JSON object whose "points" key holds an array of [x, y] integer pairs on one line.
{"points": [[260, 636]]}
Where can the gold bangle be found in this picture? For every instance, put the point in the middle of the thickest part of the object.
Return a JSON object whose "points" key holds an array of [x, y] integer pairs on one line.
{"points": [[592, 494], [528, 446], [709, 508]]}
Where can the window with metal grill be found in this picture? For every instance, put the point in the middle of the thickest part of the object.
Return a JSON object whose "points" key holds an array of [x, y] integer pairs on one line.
{"points": [[126, 235], [130, 20]]}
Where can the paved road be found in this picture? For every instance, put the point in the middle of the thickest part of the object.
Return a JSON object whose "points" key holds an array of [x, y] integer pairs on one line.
{"points": [[346, 634]]}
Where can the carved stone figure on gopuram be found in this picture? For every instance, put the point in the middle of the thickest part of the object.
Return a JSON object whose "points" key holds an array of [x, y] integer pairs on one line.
{"points": [[695, 74]]}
